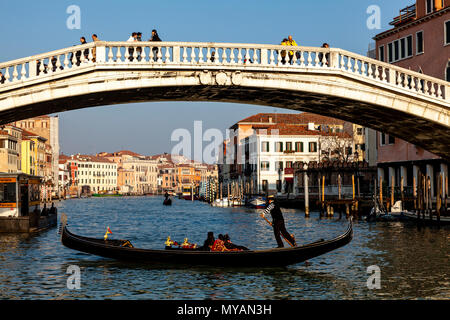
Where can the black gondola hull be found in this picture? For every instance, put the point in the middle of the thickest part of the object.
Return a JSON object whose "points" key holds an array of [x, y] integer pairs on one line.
{"points": [[258, 258]]}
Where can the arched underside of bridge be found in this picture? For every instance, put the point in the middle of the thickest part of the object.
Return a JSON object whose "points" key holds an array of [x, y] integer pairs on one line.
{"points": [[336, 96]]}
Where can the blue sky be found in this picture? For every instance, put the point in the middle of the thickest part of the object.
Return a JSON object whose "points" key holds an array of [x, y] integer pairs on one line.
{"points": [[32, 27]]}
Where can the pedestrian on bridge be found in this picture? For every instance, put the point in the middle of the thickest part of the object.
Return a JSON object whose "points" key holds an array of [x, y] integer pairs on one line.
{"points": [[291, 42], [94, 49], [155, 37], [2, 78], [133, 38]]}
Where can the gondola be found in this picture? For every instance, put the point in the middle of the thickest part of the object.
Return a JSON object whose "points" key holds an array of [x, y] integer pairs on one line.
{"points": [[124, 250], [167, 202]]}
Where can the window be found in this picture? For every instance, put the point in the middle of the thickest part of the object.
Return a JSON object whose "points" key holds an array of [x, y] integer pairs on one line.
{"points": [[265, 165], [447, 32], [387, 139], [396, 50], [278, 166], [381, 53], [288, 146], [313, 147], [359, 131], [299, 146], [409, 46], [447, 72], [403, 48], [278, 146], [288, 164], [390, 53], [429, 6], [265, 185], [419, 42], [8, 192]]}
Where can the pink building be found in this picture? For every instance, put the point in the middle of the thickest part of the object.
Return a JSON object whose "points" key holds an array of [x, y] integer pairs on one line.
{"points": [[419, 41]]}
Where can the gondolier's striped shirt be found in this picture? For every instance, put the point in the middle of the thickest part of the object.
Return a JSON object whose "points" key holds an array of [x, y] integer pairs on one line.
{"points": [[268, 209]]}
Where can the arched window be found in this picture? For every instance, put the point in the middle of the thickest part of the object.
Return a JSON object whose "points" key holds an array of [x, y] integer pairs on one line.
{"points": [[447, 72]]}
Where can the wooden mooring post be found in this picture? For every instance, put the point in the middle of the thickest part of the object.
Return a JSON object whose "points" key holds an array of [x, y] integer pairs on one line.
{"points": [[306, 183]]}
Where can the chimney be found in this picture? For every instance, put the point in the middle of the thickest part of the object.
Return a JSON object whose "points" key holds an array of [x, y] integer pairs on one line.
{"points": [[270, 119], [311, 126]]}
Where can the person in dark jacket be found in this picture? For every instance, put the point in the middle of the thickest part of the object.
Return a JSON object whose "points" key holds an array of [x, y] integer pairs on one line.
{"points": [[208, 242], [277, 222], [230, 245], [53, 209], [78, 53], [155, 37], [44, 210], [2, 78]]}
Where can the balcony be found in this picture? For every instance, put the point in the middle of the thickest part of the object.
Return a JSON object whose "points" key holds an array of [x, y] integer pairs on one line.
{"points": [[406, 14]]}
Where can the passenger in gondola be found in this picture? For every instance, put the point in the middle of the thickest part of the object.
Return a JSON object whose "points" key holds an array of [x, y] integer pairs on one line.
{"points": [[209, 242], [219, 244], [53, 209], [231, 246], [277, 222], [44, 210]]}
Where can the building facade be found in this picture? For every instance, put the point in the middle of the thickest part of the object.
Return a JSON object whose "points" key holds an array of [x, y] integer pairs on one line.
{"points": [[10, 148], [420, 41]]}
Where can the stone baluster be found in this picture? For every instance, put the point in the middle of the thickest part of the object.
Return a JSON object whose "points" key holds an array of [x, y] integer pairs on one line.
{"points": [[119, 54], [42, 67], [433, 90], [349, 64], [232, 57], [7, 75], [66, 61], [272, 57], [127, 54], [208, 55], [135, 54], [356, 69], [15, 74], [439, 92], [224, 56], [363, 68], [324, 59], [91, 55], [23, 72], [316, 60], [377, 72], [185, 55], [302, 59], [426, 87], [309, 60], [167, 57], [342, 62], [255, 56], [143, 55], [247, 55], [110, 55], [201, 57], [159, 55], [58, 63], [239, 61], [369, 70], [193, 55]]}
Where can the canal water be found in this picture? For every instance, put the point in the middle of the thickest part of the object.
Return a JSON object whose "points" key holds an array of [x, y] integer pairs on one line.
{"points": [[414, 263]]}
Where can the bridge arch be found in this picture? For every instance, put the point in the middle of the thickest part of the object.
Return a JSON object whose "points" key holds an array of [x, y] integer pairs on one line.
{"points": [[330, 82]]}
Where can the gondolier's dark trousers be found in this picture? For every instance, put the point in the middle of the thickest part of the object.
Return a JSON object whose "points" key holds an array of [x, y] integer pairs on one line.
{"points": [[278, 229]]}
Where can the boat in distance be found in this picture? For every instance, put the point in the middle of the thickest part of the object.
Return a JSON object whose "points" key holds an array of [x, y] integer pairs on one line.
{"points": [[278, 257]]}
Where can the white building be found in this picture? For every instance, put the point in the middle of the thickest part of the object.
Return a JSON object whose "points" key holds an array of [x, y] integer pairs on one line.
{"points": [[268, 155], [99, 173]]}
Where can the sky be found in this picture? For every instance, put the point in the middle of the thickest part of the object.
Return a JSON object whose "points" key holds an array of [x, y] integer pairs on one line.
{"points": [[33, 27]]}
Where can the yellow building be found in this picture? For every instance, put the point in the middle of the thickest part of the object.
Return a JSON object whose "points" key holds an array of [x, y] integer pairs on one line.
{"points": [[28, 156], [10, 138], [34, 154]]}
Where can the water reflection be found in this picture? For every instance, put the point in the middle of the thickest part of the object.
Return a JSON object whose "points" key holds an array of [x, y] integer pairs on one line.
{"points": [[414, 263]]}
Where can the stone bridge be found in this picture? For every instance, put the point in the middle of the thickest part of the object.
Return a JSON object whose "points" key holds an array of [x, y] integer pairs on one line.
{"points": [[326, 81]]}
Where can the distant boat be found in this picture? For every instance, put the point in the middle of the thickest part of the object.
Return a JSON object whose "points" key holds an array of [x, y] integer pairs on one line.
{"points": [[167, 202], [257, 202], [107, 195]]}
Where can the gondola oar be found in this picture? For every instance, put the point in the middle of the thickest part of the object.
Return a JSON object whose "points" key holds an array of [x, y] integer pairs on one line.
{"points": [[270, 223]]}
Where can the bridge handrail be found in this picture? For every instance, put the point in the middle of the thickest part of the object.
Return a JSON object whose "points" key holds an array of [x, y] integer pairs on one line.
{"points": [[200, 53]]}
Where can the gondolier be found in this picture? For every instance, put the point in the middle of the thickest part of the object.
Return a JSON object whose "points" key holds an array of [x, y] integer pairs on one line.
{"points": [[278, 222]]}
